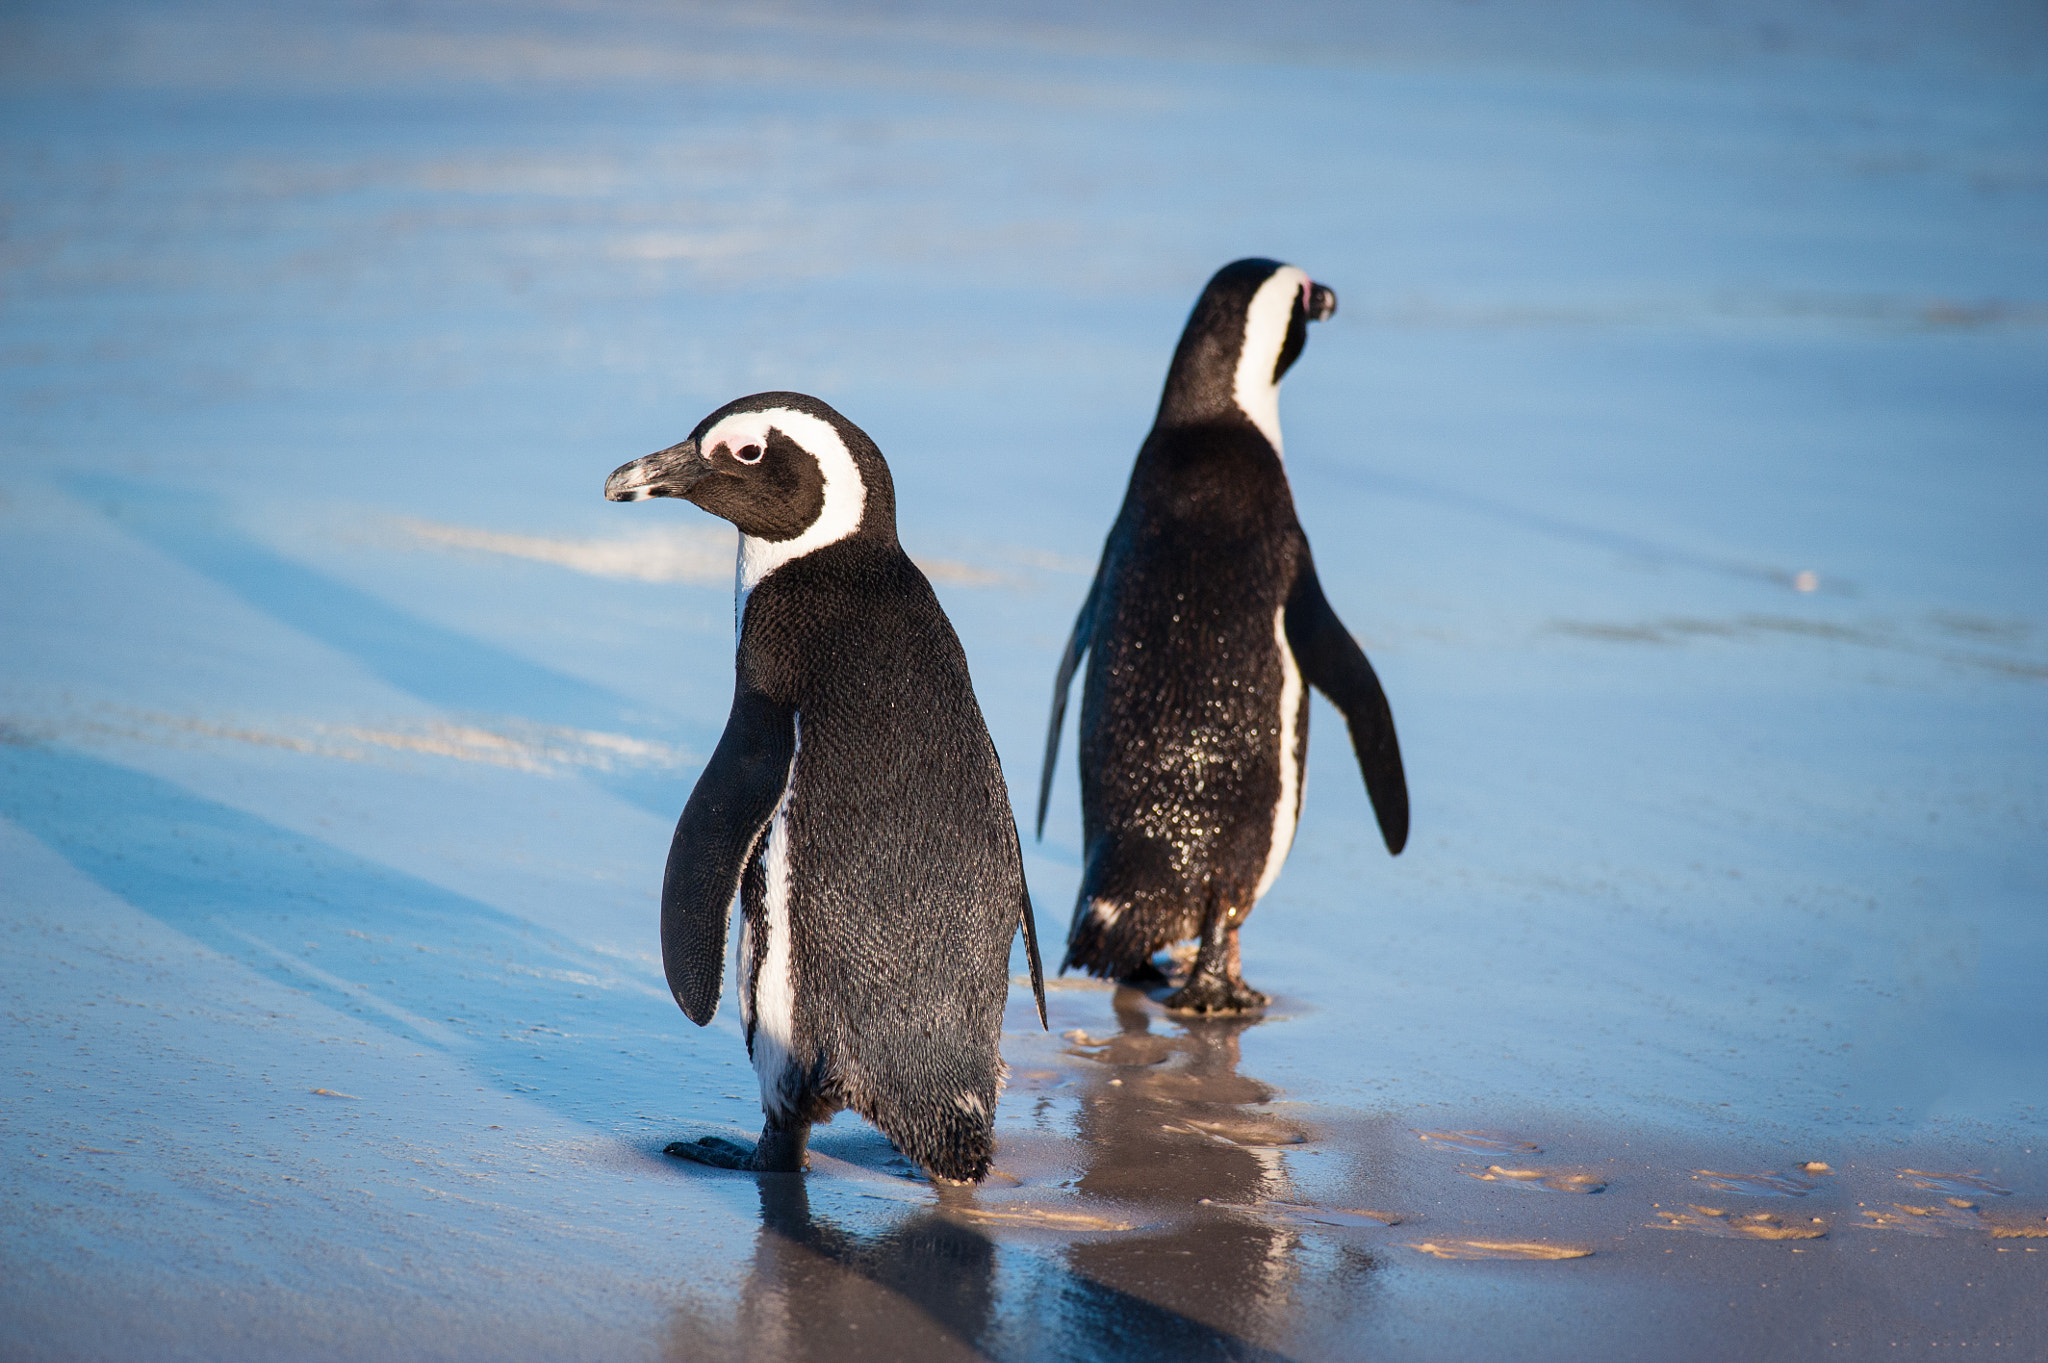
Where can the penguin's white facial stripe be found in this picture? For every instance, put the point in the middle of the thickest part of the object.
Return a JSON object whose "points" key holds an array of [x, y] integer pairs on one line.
{"points": [[744, 436], [846, 495], [1265, 332]]}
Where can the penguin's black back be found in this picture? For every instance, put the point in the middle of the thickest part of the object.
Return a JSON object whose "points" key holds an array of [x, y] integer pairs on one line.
{"points": [[1180, 704], [905, 882]]}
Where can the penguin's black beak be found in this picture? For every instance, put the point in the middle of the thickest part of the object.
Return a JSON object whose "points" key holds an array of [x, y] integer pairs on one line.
{"points": [[667, 473], [1322, 302]]}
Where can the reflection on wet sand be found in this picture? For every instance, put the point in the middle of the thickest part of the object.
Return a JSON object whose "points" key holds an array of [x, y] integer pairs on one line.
{"points": [[1172, 1129], [1173, 1249], [924, 1288]]}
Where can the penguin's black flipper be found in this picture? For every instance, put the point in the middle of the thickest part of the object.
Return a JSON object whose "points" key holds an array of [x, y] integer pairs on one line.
{"points": [[716, 837], [1077, 645], [1331, 659], [1031, 954]]}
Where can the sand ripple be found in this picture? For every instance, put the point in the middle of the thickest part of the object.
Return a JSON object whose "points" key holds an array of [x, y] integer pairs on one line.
{"points": [[1965, 1184], [1728, 1225], [1480, 1142], [1757, 1185], [1546, 1180], [1500, 1249]]}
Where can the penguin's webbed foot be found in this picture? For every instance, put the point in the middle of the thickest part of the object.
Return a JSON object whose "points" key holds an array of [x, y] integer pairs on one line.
{"points": [[716, 1151], [1214, 994]]}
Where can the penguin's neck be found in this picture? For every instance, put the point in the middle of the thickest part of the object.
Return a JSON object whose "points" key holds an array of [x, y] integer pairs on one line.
{"points": [[1222, 378], [875, 525]]}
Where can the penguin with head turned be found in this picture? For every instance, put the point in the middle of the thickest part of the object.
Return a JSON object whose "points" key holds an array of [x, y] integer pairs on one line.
{"points": [[854, 806], [1204, 624]]}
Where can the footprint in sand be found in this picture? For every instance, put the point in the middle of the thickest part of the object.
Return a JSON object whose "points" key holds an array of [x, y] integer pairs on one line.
{"points": [[1333, 1216], [1125, 1048], [1036, 1217], [2033, 1228], [1036, 1081], [1757, 1185], [1251, 1132], [1950, 1216], [1479, 1142], [1545, 1180], [1730, 1225], [1500, 1249], [1965, 1184]]}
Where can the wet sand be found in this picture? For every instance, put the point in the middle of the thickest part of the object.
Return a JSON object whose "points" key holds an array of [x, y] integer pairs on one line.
{"points": [[1674, 452], [1154, 1200]]}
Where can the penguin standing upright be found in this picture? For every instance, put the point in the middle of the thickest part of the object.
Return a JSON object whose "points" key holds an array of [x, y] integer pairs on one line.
{"points": [[854, 804], [1204, 620]]}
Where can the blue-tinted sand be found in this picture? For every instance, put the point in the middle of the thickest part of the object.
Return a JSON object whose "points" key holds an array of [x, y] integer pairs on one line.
{"points": [[1677, 452]]}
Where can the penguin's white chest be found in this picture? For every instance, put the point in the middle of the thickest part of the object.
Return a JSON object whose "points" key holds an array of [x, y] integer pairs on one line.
{"points": [[1287, 809], [768, 993]]}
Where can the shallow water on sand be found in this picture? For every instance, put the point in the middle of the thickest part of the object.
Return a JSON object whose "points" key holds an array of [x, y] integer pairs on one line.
{"points": [[1674, 453]]}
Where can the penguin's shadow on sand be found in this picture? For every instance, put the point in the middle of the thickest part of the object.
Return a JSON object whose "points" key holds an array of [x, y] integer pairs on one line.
{"points": [[454, 672], [513, 1002], [1172, 1137]]}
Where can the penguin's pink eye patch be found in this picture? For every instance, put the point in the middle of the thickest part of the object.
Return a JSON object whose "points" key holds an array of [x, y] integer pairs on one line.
{"points": [[746, 454]]}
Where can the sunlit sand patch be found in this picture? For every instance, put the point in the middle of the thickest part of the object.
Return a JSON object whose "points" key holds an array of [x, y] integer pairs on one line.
{"points": [[1500, 1249], [1251, 1132], [1073, 983], [1964, 1183], [1730, 1225], [1548, 1180], [702, 555], [1480, 1142], [664, 554], [1333, 1216], [1125, 1048], [1036, 1081], [2034, 1229], [1038, 1217], [1757, 1185], [537, 748], [1951, 1215]]}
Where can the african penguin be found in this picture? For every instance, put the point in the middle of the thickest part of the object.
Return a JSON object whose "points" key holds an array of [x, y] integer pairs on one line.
{"points": [[854, 805], [1203, 624]]}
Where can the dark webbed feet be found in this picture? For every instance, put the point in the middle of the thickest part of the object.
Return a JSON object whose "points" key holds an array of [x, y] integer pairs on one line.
{"points": [[715, 1151], [781, 1150], [1214, 984], [1214, 994]]}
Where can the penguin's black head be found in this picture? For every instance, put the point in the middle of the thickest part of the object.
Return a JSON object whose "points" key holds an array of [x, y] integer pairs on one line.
{"points": [[783, 467], [1246, 331]]}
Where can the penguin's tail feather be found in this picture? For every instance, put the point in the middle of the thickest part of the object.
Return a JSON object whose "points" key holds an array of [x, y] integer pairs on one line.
{"points": [[1114, 936], [949, 1135]]}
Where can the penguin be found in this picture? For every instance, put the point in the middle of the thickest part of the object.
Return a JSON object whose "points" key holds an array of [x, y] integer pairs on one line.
{"points": [[1203, 628], [854, 806]]}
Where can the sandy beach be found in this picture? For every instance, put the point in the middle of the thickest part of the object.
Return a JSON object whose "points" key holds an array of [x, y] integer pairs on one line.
{"points": [[1675, 453]]}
